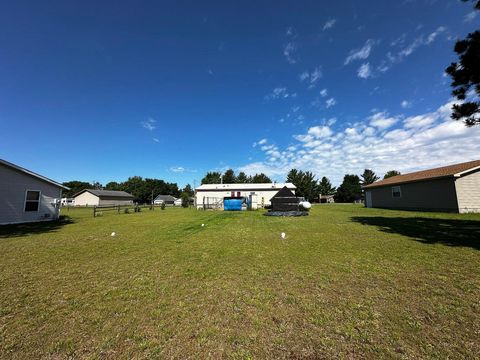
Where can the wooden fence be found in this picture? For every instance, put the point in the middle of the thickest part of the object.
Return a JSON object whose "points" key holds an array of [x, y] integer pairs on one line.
{"points": [[122, 209]]}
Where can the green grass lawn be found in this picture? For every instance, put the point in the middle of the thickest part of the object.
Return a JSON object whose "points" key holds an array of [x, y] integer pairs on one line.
{"points": [[347, 282]]}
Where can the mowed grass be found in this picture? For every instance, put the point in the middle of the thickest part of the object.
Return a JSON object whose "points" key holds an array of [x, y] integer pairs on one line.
{"points": [[347, 282]]}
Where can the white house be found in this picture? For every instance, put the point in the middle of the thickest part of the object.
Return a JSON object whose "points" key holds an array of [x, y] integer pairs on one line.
{"points": [[213, 195], [167, 199], [26, 196], [93, 197]]}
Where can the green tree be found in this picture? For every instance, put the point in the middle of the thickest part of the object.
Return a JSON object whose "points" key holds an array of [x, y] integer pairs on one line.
{"points": [[368, 177], [260, 179], [75, 187], [242, 178], [229, 177], [113, 185], [188, 189], [325, 187], [349, 190], [213, 177], [305, 182], [465, 75], [185, 200], [391, 173]]}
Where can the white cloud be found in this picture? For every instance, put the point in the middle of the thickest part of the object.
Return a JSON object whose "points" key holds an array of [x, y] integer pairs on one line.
{"points": [[364, 71], [330, 102], [406, 51], [362, 53], [470, 16], [311, 77], [289, 51], [260, 142], [324, 93], [329, 24], [431, 38], [406, 104], [320, 131], [156, 140], [419, 142], [280, 93], [177, 169], [149, 124], [382, 120]]}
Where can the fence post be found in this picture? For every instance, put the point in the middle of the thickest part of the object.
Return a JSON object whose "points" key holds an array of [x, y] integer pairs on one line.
{"points": [[94, 210], [118, 209]]}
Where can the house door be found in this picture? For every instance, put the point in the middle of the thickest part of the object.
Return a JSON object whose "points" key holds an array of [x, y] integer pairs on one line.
{"points": [[368, 199]]}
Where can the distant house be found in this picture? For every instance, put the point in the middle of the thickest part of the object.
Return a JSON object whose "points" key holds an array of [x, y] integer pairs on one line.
{"points": [[94, 197], [209, 196], [326, 199], [454, 188], [26, 196], [164, 199]]}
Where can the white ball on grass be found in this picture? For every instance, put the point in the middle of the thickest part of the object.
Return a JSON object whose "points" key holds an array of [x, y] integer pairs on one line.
{"points": [[203, 225], [283, 235], [113, 233]]}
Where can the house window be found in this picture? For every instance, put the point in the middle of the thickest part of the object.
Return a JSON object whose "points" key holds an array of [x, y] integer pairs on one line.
{"points": [[396, 192], [238, 194], [32, 200]]}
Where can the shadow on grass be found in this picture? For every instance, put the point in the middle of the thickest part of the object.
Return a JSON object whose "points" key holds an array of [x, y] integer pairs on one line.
{"points": [[450, 232], [17, 230]]}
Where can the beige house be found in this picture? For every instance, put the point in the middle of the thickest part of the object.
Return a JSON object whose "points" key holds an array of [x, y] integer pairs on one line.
{"points": [[454, 188], [93, 197], [26, 196], [213, 195]]}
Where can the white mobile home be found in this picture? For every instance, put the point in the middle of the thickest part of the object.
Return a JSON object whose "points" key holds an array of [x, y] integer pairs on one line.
{"points": [[213, 195], [26, 196], [94, 197]]}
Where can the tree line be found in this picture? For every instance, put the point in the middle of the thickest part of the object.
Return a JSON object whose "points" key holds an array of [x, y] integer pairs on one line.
{"points": [[306, 183], [143, 189]]}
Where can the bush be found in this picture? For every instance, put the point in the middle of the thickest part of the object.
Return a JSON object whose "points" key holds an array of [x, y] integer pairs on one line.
{"points": [[185, 200]]}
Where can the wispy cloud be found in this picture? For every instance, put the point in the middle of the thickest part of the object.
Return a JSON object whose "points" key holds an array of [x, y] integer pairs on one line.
{"points": [[330, 102], [361, 53], [149, 124], [406, 104], [323, 92], [280, 93], [422, 40], [311, 77], [156, 140], [289, 51], [470, 16], [329, 24], [381, 142], [181, 169], [364, 71]]}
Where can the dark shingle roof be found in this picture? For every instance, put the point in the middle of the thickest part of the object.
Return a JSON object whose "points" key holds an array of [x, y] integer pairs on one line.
{"points": [[437, 173], [107, 193], [165, 198]]}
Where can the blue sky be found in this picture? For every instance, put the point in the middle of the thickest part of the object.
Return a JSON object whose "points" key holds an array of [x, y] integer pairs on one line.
{"points": [[172, 89]]}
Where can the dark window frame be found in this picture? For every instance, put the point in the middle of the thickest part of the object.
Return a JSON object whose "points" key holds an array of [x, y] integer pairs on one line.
{"points": [[30, 202]]}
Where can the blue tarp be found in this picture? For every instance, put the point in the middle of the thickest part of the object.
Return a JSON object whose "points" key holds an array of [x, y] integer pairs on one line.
{"points": [[232, 204]]}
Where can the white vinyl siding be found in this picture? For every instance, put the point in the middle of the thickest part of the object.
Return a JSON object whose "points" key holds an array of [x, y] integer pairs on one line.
{"points": [[13, 194], [468, 192]]}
